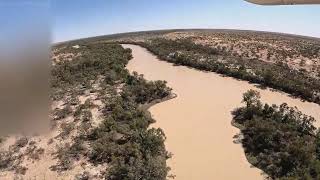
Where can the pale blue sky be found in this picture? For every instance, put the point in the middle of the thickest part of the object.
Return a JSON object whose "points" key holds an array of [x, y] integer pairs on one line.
{"points": [[73, 19]]}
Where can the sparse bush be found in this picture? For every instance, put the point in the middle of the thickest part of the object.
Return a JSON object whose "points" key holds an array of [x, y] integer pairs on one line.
{"points": [[50, 141], [34, 153], [73, 100], [21, 170], [21, 142], [84, 110], [5, 159], [66, 129], [83, 176], [63, 113], [10, 161], [67, 154], [86, 115]]}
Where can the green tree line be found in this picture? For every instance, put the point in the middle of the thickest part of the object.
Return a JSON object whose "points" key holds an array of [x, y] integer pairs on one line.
{"points": [[275, 75], [280, 140]]}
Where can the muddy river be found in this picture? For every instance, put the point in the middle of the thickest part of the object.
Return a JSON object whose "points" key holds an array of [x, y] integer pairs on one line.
{"points": [[198, 122]]}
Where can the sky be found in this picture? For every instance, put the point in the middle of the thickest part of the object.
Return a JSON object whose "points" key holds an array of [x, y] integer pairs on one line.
{"points": [[74, 19]]}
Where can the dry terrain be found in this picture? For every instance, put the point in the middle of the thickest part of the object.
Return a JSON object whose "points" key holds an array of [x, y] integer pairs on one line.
{"points": [[100, 127], [299, 52]]}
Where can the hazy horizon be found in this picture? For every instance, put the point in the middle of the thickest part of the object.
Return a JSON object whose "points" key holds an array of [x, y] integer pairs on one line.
{"points": [[186, 29], [86, 19]]}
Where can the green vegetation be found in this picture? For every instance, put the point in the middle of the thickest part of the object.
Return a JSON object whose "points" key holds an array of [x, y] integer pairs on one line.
{"points": [[275, 75], [67, 154], [123, 139], [141, 91], [93, 60], [280, 140]]}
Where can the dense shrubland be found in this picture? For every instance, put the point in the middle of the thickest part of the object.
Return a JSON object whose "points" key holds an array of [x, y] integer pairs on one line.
{"points": [[95, 60], [280, 140], [275, 75], [123, 139]]}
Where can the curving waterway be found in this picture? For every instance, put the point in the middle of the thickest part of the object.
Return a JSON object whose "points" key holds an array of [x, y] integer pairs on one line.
{"points": [[198, 122]]}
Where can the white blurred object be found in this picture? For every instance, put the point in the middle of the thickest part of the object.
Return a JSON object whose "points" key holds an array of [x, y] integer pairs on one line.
{"points": [[283, 2], [76, 46]]}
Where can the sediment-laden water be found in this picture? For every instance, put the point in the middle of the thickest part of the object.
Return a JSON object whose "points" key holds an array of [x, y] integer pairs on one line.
{"points": [[198, 122]]}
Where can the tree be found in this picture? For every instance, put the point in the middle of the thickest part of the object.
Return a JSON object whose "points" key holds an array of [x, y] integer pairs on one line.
{"points": [[251, 97]]}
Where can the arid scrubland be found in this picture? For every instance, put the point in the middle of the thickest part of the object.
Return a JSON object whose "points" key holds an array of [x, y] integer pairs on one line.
{"points": [[300, 53], [288, 63], [99, 128]]}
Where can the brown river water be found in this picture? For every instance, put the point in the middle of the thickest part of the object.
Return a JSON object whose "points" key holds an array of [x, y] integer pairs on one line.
{"points": [[198, 122]]}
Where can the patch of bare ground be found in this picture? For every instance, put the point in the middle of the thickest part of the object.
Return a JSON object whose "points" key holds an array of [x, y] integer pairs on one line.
{"points": [[62, 54]]}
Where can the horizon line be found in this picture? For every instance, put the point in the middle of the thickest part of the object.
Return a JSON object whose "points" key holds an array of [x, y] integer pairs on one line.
{"points": [[185, 29]]}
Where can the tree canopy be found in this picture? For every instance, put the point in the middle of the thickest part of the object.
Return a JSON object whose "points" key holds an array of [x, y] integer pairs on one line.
{"points": [[280, 140]]}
